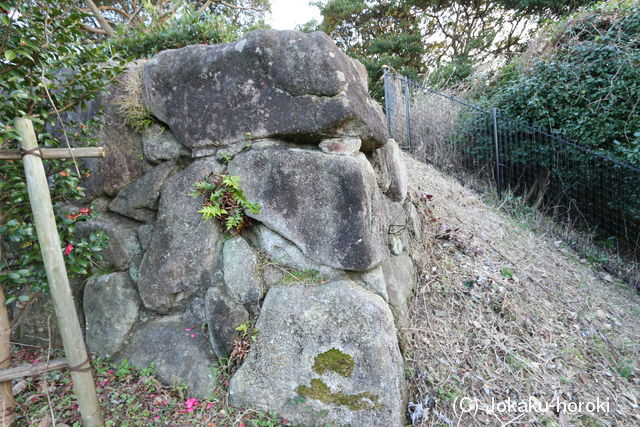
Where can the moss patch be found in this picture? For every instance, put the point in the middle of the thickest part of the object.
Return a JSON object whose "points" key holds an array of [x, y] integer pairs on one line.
{"points": [[335, 361], [297, 276], [320, 391]]}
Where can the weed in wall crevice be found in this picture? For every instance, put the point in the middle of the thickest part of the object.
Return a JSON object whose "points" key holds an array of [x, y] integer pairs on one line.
{"points": [[129, 102], [224, 199]]}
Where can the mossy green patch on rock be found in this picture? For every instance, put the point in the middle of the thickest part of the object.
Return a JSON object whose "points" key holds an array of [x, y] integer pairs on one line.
{"points": [[320, 391], [299, 276], [333, 360]]}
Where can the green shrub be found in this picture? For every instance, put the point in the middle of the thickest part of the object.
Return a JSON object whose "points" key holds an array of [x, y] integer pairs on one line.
{"points": [[583, 81], [184, 29], [47, 65]]}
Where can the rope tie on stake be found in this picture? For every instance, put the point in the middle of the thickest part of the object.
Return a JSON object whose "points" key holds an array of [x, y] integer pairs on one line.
{"points": [[33, 151], [79, 368]]}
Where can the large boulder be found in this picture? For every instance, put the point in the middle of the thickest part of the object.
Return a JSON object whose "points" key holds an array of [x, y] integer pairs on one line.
{"points": [[331, 346], [177, 350], [283, 252], [284, 84], [184, 251], [111, 307], [326, 204]]}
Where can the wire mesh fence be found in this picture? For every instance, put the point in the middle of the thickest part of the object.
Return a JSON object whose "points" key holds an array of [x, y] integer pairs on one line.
{"points": [[569, 182]]}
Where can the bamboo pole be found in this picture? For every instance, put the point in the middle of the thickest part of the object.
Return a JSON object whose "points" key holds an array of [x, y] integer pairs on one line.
{"points": [[57, 153], [7, 404], [31, 370], [57, 277]]}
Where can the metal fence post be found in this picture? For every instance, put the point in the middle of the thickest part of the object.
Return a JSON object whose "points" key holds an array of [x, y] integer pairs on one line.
{"points": [[387, 100], [494, 112], [407, 110]]}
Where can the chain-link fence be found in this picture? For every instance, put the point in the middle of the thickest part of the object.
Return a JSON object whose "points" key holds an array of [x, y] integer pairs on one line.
{"points": [[572, 183]]}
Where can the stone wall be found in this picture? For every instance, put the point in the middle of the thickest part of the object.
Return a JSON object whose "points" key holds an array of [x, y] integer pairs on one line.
{"points": [[290, 115]]}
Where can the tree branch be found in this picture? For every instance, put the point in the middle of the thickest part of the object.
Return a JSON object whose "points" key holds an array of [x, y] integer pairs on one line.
{"points": [[93, 30], [104, 24], [233, 6]]}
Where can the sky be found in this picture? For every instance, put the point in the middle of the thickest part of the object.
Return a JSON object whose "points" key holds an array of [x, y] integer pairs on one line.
{"points": [[286, 14]]}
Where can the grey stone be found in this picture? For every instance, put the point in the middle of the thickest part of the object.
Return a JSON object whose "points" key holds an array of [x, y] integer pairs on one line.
{"points": [[39, 326], [240, 266], [400, 277], [413, 218], [284, 84], [223, 315], [184, 250], [196, 311], [144, 235], [123, 246], [395, 244], [398, 227], [124, 162], [111, 306], [372, 280], [283, 252], [325, 204], [100, 204], [391, 171], [223, 155], [300, 323], [341, 146], [178, 357], [139, 200], [273, 275], [160, 145]]}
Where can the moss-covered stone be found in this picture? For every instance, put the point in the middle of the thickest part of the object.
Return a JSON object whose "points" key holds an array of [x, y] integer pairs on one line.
{"points": [[320, 391], [335, 361]]}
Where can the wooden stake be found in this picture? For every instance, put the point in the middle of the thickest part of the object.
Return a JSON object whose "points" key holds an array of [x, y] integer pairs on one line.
{"points": [[31, 370], [7, 404], [57, 153], [57, 277]]}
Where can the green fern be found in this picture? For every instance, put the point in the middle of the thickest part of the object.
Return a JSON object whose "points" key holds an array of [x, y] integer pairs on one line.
{"points": [[212, 211], [224, 200]]}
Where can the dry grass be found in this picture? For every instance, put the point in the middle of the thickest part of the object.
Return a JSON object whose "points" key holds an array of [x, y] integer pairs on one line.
{"points": [[129, 102], [502, 312]]}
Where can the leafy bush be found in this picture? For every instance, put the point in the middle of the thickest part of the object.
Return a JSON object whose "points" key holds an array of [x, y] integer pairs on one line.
{"points": [[225, 201], [583, 81], [183, 29], [47, 67], [580, 80]]}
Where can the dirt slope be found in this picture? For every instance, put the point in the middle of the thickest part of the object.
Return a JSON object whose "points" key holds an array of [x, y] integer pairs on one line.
{"points": [[502, 314]]}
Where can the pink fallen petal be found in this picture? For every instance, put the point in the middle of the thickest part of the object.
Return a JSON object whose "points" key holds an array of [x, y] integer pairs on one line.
{"points": [[191, 403]]}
